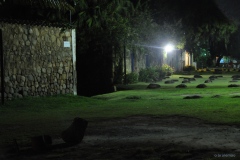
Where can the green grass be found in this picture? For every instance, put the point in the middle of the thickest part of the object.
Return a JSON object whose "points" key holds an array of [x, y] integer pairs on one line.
{"points": [[23, 118]]}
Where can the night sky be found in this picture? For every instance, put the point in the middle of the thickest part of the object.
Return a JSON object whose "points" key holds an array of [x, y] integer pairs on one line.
{"points": [[231, 8]]}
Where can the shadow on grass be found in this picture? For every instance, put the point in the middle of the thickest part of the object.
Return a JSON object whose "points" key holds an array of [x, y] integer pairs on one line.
{"points": [[29, 151]]}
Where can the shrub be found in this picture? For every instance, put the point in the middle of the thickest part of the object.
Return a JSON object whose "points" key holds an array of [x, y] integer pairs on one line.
{"points": [[164, 70], [160, 71], [167, 69], [155, 73], [148, 74], [189, 68], [132, 78]]}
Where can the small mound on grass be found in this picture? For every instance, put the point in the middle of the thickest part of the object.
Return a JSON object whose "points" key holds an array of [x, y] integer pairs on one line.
{"points": [[153, 86], [189, 79], [201, 86], [192, 79], [197, 76], [193, 97], [236, 76], [213, 77], [235, 79], [216, 96], [237, 96], [133, 97], [208, 81], [181, 86], [233, 85], [169, 82]]}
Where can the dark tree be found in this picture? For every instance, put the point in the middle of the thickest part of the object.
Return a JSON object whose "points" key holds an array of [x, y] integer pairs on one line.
{"points": [[36, 10], [203, 24]]}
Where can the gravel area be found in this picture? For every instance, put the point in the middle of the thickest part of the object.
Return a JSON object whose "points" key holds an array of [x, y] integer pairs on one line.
{"points": [[142, 137]]}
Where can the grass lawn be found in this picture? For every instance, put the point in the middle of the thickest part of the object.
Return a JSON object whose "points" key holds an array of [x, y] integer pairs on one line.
{"points": [[23, 118]]}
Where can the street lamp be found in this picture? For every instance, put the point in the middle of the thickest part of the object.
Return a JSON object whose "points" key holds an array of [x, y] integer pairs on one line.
{"points": [[168, 48]]}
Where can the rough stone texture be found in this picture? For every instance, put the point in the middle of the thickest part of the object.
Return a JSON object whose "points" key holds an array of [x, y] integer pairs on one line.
{"points": [[36, 62]]}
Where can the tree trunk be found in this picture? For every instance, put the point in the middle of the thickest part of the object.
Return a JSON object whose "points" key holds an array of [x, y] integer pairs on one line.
{"points": [[95, 69]]}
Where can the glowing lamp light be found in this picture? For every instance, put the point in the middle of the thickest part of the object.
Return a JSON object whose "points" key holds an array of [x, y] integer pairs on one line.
{"points": [[168, 48]]}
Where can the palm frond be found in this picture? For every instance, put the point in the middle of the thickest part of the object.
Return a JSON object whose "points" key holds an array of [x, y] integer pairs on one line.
{"points": [[44, 4]]}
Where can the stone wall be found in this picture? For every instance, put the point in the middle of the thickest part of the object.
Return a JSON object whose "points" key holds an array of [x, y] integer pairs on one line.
{"points": [[36, 63]]}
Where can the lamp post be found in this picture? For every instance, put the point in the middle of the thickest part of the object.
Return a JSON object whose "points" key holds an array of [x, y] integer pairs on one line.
{"points": [[168, 48]]}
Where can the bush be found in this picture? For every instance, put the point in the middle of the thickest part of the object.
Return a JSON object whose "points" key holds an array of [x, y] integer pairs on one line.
{"points": [[167, 69], [160, 71], [155, 73], [148, 75], [164, 70], [189, 68], [132, 78]]}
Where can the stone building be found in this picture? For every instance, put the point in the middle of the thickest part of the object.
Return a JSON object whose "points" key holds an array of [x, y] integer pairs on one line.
{"points": [[38, 60]]}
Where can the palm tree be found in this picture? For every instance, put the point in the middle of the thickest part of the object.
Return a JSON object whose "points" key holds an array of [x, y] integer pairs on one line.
{"points": [[102, 25], [37, 10], [45, 4]]}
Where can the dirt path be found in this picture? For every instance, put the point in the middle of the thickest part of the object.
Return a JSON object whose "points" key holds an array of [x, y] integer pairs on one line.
{"points": [[172, 137]]}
